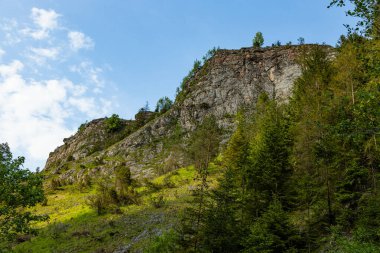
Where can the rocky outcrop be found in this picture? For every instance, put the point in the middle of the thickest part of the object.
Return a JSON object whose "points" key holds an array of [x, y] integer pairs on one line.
{"points": [[229, 80], [90, 138]]}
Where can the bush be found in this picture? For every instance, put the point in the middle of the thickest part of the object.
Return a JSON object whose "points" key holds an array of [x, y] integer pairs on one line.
{"points": [[152, 187], [57, 229], [168, 183], [108, 198], [54, 184], [167, 242], [113, 123], [104, 199], [157, 201]]}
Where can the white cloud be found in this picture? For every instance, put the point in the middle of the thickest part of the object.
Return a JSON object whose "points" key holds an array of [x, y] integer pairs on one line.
{"points": [[9, 27], [40, 55], [40, 103], [11, 69], [91, 73], [79, 40], [2, 53], [33, 114], [45, 20], [51, 53]]}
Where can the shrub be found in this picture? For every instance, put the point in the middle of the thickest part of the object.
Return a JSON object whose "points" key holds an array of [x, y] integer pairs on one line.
{"points": [[82, 127], [113, 123], [54, 184], [104, 198], [167, 242], [57, 229], [157, 201], [152, 187], [168, 183]]}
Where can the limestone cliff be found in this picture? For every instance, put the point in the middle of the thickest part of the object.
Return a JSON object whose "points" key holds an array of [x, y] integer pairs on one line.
{"points": [[226, 82]]}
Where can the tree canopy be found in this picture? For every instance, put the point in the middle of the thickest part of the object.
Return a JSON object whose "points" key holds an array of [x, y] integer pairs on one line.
{"points": [[19, 189], [258, 40]]}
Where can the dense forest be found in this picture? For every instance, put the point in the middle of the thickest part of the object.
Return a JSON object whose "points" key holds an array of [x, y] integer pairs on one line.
{"points": [[299, 176]]}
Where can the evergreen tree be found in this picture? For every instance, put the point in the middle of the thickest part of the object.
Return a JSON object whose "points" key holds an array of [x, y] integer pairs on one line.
{"points": [[272, 232], [258, 40], [203, 147]]}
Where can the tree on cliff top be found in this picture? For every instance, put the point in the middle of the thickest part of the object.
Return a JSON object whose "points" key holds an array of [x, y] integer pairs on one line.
{"points": [[258, 40]]}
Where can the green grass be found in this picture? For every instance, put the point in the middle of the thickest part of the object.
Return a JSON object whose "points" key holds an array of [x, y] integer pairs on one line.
{"points": [[74, 227]]}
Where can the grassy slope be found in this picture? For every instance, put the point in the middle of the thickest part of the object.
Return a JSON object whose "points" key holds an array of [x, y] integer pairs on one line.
{"points": [[74, 227]]}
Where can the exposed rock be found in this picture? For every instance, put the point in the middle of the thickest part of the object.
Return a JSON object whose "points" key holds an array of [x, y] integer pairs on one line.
{"points": [[229, 80]]}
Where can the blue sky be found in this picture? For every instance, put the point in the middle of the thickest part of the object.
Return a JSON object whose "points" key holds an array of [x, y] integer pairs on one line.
{"points": [[65, 62]]}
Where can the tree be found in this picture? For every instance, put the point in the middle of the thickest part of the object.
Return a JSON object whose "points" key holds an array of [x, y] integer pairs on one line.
{"points": [[19, 189], [258, 41], [203, 148], [123, 178], [301, 41], [272, 232], [113, 123], [163, 105], [368, 12]]}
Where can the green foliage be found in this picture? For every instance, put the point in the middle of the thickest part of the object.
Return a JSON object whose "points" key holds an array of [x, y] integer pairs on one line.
{"points": [[299, 170], [157, 201], [202, 149], [82, 127], [163, 105], [167, 242], [104, 198], [301, 41], [19, 189], [258, 40], [113, 123], [189, 78], [204, 143], [109, 197], [368, 12], [272, 232], [276, 44]]}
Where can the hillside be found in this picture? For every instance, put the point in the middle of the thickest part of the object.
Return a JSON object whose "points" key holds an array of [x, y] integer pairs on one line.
{"points": [[227, 82], [153, 147], [264, 150]]}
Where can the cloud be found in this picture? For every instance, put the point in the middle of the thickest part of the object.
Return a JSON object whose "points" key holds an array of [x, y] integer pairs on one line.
{"points": [[11, 69], [10, 30], [91, 73], [79, 40], [40, 55], [47, 88], [44, 20], [33, 113], [51, 53], [2, 53]]}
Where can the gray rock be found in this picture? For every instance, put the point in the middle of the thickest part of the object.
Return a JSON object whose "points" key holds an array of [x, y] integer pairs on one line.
{"points": [[229, 80]]}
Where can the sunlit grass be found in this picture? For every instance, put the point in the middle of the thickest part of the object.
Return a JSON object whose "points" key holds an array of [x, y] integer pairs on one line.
{"points": [[75, 227]]}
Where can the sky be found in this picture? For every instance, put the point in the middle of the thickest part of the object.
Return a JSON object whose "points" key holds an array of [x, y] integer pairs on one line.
{"points": [[63, 63]]}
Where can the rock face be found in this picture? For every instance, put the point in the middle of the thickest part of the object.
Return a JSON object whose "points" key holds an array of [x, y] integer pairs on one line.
{"points": [[229, 80]]}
